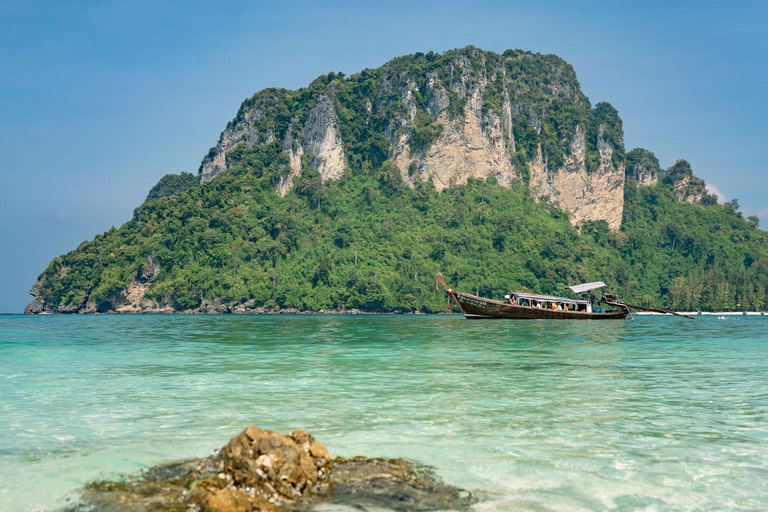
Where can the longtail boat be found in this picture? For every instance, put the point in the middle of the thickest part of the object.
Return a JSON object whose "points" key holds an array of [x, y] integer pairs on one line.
{"points": [[529, 306]]}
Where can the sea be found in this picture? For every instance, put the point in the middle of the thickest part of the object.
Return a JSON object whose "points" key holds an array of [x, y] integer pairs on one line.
{"points": [[653, 413]]}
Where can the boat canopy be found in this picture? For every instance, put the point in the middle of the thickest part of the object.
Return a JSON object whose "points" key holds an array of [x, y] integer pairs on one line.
{"points": [[548, 298], [581, 288]]}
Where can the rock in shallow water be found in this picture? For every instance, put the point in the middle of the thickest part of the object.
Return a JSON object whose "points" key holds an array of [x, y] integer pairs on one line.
{"points": [[394, 484], [267, 471]]}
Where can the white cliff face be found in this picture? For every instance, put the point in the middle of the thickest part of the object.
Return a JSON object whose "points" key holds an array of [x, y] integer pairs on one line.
{"points": [[646, 178], [472, 147], [689, 189], [437, 98], [480, 145], [322, 140], [294, 152], [322, 144], [597, 195], [240, 131], [507, 120]]}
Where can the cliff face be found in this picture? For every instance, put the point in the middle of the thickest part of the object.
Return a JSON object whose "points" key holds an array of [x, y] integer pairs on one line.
{"points": [[447, 118], [240, 131], [596, 195], [686, 186], [642, 167], [257, 231], [473, 145]]}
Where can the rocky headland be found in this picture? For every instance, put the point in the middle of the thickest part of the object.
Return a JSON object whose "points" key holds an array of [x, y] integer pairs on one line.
{"points": [[262, 470]]}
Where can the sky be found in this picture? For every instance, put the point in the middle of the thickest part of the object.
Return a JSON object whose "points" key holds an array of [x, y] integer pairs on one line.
{"points": [[99, 100]]}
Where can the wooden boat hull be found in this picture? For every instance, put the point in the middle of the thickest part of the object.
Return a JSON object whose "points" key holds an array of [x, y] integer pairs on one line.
{"points": [[474, 307]]}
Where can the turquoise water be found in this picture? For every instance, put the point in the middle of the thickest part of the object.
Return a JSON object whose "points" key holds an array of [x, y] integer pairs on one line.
{"points": [[652, 413]]}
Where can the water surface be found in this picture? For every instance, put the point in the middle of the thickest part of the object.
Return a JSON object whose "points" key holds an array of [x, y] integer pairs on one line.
{"points": [[655, 413]]}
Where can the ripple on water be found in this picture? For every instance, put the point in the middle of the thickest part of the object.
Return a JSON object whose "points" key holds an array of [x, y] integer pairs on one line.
{"points": [[651, 413]]}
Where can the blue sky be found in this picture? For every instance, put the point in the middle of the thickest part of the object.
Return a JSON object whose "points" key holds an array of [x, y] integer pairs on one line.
{"points": [[98, 100]]}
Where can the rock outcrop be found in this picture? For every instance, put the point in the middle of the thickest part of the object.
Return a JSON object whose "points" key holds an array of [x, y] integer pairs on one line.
{"points": [[474, 146], [322, 140], [262, 470], [595, 195], [293, 150], [475, 102], [273, 466], [643, 167], [686, 186], [241, 130], [172, 184], [131, 299]]}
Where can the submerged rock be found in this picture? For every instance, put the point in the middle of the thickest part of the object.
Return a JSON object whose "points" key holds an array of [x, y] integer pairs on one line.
{"points": [[381, 484], [262, 470]]}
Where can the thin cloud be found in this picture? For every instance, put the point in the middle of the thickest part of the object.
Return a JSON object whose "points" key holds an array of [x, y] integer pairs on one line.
{"points": [[762, 213], [712, 189]]}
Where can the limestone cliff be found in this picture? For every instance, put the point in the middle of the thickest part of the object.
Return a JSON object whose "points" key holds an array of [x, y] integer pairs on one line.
{"points": [[292, 168], [686, 186], [596, 195], [642, 167], [241, 130], [472, 146], [319, 139], [464, 114], [323, 140]]}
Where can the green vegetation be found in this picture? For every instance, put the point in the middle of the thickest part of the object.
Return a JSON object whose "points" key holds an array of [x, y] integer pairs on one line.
{"points": [[424, 131], [548, 103], [682, 172], [171, 184], [642, 164], [692, 257], [370, 241]]}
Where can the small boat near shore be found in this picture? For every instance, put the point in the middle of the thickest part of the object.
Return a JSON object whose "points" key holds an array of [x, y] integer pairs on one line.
{"points": [[530, 306]]}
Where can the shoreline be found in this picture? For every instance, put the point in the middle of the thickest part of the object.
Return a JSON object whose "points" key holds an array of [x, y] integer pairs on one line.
{"points": [[706, 313], [286, 311], [350, 312]]}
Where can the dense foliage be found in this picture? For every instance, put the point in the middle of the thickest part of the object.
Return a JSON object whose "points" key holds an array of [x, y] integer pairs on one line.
{"points": [[642, 164], [692, 257], [369, 241], [171, 184]]}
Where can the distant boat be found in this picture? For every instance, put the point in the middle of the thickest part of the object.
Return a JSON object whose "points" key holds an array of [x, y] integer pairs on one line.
{"points": [[529, 306], [30, 311]]}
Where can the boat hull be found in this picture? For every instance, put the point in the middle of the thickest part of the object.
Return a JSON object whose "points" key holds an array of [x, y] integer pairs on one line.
{"points": [[474, 308]]}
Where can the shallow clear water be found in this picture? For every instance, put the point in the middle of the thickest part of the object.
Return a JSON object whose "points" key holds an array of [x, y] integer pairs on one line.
{"points": [[653, 413]]}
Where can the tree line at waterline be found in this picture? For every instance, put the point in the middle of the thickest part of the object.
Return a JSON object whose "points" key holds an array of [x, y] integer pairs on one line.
{"points": [[369, 241]]}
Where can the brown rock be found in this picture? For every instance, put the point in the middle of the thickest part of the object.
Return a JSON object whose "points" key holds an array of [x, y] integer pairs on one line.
{"points": [[319, 451], [276, 465], [227, 500], [261, 470]]}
